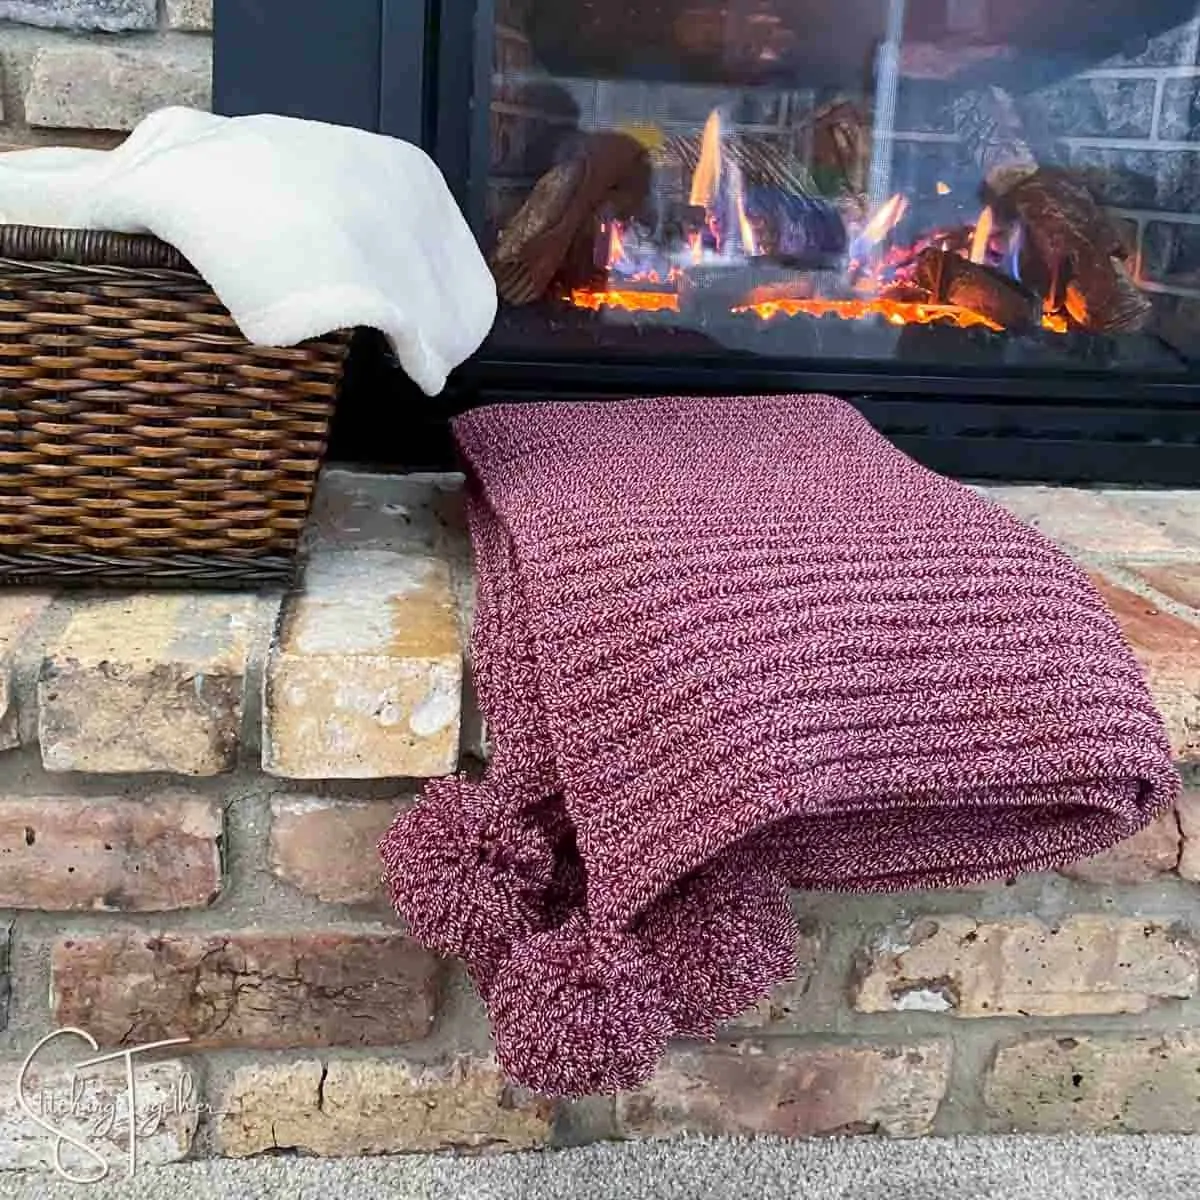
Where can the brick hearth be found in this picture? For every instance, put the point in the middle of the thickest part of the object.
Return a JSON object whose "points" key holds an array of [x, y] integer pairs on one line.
{"points": [[190, 792]]}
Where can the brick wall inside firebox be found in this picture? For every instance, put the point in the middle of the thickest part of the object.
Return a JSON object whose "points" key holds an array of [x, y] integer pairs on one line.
{"points": [[1131, 123]]}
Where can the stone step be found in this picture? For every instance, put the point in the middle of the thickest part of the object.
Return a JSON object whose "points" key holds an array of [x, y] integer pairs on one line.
{"points": [[359, 673]]}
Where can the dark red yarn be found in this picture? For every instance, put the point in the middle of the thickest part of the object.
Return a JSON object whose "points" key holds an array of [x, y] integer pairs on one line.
{"points": [[729, 646]]}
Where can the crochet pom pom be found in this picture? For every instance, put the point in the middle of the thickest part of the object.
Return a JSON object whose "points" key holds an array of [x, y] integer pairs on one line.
{"points": [[725, 937], [469, 874], [578, 1013]]}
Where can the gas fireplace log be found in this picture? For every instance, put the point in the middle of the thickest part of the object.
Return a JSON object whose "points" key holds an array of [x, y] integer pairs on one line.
{"points": [[761, 160], [607, 168], [841, 149], [1103, 299], [1076, 248], [1081, 247], [949, 279]]}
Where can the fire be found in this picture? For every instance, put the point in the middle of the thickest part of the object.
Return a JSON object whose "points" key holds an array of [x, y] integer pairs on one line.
{"points": [[630, 301], [885, 219], [896, 312], [749, 245], [707, 177], [616, 247], [982, 236], [645, 277]]}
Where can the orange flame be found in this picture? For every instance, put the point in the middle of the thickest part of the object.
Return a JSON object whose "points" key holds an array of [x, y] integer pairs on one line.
{"points": [[616, 247], [749, 243], [884, 221], [983, 235], [706, 179], [943, 188], [696, 245]]}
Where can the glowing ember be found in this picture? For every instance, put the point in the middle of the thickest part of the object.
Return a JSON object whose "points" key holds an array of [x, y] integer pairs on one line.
{"points": [[943, 189], [982, 237], [894, 311], [631, 301]]}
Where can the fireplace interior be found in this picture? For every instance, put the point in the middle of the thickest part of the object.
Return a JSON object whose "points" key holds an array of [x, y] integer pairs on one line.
{"points": [[937, 189], [978, 219]]}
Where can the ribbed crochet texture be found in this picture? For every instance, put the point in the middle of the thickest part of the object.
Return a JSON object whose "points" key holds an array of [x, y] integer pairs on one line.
{"points": [[728, 646]]}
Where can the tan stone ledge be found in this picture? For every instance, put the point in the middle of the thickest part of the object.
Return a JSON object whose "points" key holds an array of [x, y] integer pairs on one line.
{"points": [[361, 673]]}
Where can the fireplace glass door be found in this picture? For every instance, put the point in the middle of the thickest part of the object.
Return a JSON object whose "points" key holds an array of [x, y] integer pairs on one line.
{"points": [[1000, 186]]}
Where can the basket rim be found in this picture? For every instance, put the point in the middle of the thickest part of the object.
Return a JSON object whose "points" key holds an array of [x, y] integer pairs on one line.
{"points": [[89, 247]]}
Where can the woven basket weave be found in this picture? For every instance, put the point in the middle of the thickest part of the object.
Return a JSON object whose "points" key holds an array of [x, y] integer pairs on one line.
{"points": [[143, 440]]}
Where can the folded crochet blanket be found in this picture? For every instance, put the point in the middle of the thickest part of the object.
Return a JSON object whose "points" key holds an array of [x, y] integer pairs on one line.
{"points": [[728, 647]]}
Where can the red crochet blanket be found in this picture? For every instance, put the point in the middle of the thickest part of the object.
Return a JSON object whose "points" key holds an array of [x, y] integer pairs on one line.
{"points": [[726, 648]]}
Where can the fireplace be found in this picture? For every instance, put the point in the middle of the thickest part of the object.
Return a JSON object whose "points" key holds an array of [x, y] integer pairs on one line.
{"points": [[978, 219]]}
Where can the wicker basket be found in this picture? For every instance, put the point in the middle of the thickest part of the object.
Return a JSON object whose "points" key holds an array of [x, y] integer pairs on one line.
{"points": [[143, 440]]}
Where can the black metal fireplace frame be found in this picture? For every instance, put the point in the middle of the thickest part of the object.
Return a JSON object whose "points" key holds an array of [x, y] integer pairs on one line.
{"points": [[401, 67]]}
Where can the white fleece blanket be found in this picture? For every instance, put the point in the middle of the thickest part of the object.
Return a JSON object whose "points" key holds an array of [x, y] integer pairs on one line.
{"points": [[299, 227]]}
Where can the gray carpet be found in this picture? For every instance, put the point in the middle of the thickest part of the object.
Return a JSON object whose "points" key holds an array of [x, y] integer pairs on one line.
{"points": [[859, 1169]]}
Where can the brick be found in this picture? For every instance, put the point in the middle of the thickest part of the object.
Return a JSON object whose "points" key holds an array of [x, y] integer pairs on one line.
{"points": [[190, 14], [149, 683], [359, 510], [1135, 178], [375, 1106], [19, 615], [260, 990], [1095, 107], [1188, 810], [1171, 254], [93, 1106], [1092, 522], [1065, 1084], [1180, 121], [1024, 967], [1168, 648], [1139, 859], [1177, 581], [113, 86], [791, 1091], [107, 16], [327, 848], [786, 1006], [364, 678], [114, 855]]}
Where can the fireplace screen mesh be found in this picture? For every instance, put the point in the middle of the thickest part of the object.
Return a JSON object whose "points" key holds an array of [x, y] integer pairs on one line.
{"points": [[942, 183]]}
